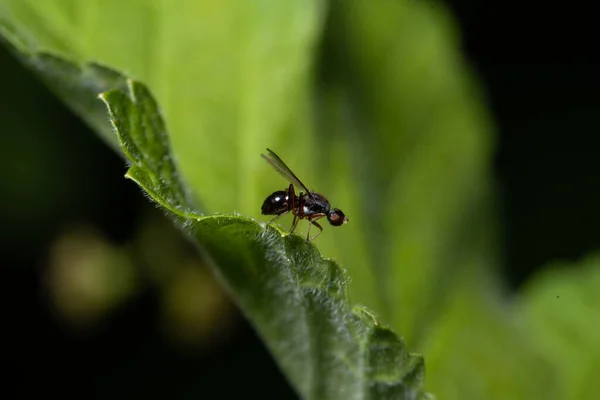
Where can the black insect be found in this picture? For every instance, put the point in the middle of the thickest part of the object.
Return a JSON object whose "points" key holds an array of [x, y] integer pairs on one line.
{"points": [[307, 204]]}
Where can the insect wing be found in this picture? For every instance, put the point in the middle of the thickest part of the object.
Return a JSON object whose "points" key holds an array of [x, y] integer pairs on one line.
{"points": [[284, 170]]}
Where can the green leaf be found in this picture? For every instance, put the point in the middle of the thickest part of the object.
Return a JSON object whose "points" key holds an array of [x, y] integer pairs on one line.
{"points": [[478, 350], [404, 110], [561, 309], [296, 299]]}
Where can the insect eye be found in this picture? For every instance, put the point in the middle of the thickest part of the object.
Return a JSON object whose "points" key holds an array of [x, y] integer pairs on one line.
{"points": [[336, 217]]}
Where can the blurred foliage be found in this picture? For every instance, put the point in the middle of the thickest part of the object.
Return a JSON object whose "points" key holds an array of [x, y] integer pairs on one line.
{"points": [[416, 143], [87, 276], [561, 310], [370, 103], [196, 311]]}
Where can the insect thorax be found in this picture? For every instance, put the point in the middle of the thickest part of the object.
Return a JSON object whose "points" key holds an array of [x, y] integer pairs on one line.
{"points": [[317, 204]]}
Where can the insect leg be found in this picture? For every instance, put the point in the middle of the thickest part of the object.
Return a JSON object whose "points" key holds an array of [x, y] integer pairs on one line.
{"points": [[294, 223], [318, 226], [278, 216], [292, 194], [314, 222], [292, 206]]}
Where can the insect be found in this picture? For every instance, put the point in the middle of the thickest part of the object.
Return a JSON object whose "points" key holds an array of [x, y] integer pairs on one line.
{"points": [[306, 205]]}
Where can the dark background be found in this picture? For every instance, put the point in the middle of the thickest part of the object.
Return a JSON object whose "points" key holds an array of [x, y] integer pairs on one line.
{"points": [[540, 76]]}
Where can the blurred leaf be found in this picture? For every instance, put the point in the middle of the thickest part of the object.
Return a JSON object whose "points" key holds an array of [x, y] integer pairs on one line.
{"points": [[196, 310], [478, 350], [561, 308], [296, 299], [77, 85], [397, 97], [231, 76]]}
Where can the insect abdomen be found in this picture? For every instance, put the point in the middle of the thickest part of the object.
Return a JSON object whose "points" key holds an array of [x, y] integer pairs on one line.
{"points": [[276, 203]]}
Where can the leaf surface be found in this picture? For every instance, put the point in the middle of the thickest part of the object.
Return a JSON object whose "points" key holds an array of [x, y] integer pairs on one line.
{"points": [[296, 300]]}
